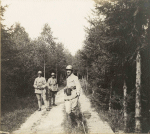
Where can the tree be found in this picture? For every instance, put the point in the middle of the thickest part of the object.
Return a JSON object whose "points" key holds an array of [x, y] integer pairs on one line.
{"points": [[118, 30]]}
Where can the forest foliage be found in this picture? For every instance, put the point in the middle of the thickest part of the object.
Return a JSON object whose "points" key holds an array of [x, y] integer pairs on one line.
{"points": [[22, 57], [118, 30]]}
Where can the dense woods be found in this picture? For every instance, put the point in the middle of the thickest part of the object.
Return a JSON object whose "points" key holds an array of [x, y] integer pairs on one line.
{"points": [[119, 29], [22, 57]]}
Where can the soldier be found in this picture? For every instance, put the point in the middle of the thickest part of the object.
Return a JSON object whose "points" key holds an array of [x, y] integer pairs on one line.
{"points": [[52, 88], [40, 91], [71, 93]]}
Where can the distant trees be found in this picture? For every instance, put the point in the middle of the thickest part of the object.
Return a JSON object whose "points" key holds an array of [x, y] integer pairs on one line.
{"points": [[22, 57], [119, 29]]}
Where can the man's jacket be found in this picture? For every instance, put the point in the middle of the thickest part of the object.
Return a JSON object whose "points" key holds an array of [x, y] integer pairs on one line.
{"points": [[74, 84], [39, 83], [52, 84]]}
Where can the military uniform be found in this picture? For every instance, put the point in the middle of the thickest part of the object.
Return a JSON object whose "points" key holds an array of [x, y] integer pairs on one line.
{"points": [[52, 84], [72, 100], [39, 85], [52, 89]]}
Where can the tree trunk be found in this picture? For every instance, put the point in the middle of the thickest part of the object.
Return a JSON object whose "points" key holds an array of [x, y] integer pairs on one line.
{"points": [[87, 74], [86, 84], [44, 67], [56, 71], [138, 95], [110, 96], [125, 106]]}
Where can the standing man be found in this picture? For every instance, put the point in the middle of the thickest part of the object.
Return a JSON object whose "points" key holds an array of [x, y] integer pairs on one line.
{"points": [[71, 93], [52, 88], [40, 91]]}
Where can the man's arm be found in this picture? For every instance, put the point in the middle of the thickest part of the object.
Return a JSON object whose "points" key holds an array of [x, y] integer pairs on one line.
{"points": [[44, 83], [56, 84], [48, 83], [35, 83], [78, 86], [65, 89]]}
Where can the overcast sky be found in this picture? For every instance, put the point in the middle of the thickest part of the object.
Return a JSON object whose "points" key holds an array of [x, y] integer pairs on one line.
{"points": [[65, 17]]}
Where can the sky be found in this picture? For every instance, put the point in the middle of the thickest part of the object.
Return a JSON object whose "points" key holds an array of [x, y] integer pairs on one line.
{"points": [[65, 17]]}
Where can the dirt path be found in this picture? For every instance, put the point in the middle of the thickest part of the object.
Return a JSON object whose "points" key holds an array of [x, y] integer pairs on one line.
{"points": [[53, 121], [45, 121]]}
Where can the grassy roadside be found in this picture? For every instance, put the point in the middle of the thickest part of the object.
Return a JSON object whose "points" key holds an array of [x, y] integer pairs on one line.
{"points": [[114, 118], [15, 112]]}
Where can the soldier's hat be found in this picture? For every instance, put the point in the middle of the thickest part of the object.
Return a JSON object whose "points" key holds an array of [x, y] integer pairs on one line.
{"points": [[39, 72], [69, 67], [52, 74]]}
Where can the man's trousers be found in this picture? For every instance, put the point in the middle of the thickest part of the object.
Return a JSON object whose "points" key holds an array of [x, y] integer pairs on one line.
{"points": [[71, 105]]}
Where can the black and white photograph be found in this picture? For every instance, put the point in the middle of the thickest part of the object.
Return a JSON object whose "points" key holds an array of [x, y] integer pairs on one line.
{"points": [[75, 66]]}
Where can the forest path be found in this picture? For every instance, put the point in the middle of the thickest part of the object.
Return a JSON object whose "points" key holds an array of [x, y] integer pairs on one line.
{"points": [[45, 121], [53, 121]]}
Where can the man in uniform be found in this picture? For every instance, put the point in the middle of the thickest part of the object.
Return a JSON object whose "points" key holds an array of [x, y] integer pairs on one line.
{"points": [[71, 93], [40, 91], [52, 88]]}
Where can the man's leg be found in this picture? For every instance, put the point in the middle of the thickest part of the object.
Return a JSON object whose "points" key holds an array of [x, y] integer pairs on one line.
{"points": [[74, 105], [68, 107], [44, 98], [47, 98], [39, 100], [68, 111], [73, 115], [54, 96], [50, 97]]}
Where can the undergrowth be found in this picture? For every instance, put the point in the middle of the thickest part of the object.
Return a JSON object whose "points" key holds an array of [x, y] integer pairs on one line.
{"points": [[15, 111], [113, 117]]}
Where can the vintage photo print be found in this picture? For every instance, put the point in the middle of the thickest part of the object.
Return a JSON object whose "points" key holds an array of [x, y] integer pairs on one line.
{"points": [[75, 66]]}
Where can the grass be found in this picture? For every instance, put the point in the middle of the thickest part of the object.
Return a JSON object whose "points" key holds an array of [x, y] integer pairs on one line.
{"points": [[113, 117], [15, 112]]}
